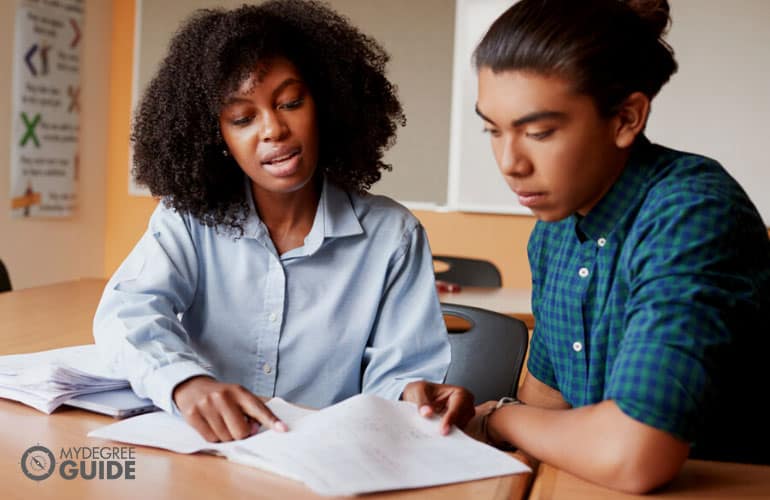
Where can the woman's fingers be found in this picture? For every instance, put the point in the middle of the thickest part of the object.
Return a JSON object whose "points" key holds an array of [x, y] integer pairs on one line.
{"points": [[222, 412], [254, 408]]}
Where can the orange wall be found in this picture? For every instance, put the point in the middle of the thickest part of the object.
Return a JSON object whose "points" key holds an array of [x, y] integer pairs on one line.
{"points": [[126, 215], [499, 238]]}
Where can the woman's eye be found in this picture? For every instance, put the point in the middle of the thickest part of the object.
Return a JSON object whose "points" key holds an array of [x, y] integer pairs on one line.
{"points": [[241, 121], [491, 131], [539, 136], [291, 104]]}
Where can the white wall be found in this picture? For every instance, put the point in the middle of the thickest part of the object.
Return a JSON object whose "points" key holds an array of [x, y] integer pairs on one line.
{"points": [[717, 104], [42, 251]]}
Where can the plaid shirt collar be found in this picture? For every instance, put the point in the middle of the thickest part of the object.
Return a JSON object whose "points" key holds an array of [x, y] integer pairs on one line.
{"points": [[625, 194]]}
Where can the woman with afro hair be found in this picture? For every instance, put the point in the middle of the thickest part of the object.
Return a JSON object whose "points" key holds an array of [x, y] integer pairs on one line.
{"points": [[267, 270]]}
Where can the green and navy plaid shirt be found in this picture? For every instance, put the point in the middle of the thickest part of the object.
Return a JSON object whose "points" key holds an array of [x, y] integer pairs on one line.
{"points": [[659, 299]]}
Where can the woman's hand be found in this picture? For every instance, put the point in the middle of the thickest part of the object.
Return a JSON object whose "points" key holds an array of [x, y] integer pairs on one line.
{"points": [[222, 412], [456, 403]]}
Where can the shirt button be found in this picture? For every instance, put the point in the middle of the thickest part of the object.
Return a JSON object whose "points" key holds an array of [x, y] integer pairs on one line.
{"points": [[267, 368], [583, 273], [272, 317], [577, 347], [601, 242]]}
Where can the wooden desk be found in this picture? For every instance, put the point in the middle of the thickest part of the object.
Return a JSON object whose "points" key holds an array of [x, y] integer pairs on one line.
{"points": [[514, 302], [698, 480], [60, 315]]}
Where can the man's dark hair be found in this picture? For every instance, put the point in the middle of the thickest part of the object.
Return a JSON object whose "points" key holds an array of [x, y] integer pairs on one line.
{"points": [[608, 49]]}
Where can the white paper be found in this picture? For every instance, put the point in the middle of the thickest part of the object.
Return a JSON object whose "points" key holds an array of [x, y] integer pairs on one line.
{"points": [[361, 445], [44, 380], [170, 432]]}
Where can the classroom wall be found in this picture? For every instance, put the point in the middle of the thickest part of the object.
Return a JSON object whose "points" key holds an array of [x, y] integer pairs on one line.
{"points": [[42, 251], [500, 238]]}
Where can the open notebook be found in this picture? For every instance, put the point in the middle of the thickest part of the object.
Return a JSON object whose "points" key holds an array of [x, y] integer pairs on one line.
{"points": [[361, 445]]}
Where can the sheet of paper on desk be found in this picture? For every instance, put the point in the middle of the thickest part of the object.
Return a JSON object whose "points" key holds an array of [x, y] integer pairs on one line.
{"points": [[170, 432], [361, 445]]}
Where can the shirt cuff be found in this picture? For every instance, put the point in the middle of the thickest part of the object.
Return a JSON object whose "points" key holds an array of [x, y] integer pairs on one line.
{"points": [[395, 390], [160, 384]]}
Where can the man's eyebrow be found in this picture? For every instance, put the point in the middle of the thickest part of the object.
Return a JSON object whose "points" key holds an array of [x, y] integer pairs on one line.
{"points": [[531, 117], [537, 116]]}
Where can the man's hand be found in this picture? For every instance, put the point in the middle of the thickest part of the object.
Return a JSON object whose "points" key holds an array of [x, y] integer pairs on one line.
{"points": [[456, 403], [222, 412], [476, 427]]}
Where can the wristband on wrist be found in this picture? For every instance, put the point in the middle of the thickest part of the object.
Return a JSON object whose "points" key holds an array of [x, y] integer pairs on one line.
{"points": [[505, 401]]}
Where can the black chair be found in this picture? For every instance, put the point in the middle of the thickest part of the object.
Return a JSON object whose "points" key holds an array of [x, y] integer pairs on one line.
{"points": [[469, 272], [5, 280], [486, 359]]}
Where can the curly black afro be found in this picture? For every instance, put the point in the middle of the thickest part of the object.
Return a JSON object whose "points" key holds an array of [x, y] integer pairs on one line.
{"points": [[176, 137]]}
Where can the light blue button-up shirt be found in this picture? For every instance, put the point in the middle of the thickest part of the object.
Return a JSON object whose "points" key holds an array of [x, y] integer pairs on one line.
{"points": [[352, 310]]}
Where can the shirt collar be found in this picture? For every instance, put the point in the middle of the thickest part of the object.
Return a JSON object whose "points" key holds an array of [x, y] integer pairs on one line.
{"points": [[622, 196], [335, 217]]}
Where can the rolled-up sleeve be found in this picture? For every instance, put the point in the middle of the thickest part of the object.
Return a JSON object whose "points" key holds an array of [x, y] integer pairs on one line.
{"points": [[688, 283], [409, 340], [137, 326]]}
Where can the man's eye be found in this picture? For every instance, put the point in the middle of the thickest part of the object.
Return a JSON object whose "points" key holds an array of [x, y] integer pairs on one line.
{"points": [[491, 131], [539, 136], [291, 104]]}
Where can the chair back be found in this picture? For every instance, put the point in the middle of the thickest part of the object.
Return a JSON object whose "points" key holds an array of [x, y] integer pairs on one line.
{"points": [[5, 280], [487, 359], [469, 272]]}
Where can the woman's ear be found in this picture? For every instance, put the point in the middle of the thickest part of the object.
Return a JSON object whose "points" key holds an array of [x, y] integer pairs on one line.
{"points": [[631, 119]]}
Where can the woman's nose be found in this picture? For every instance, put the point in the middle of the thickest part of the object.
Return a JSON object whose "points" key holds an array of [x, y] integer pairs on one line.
{"points": [[273, 127]]}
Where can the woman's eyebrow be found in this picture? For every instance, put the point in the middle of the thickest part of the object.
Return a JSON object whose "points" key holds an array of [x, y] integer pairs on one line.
{"points": [[286, 83], [236, 98]]}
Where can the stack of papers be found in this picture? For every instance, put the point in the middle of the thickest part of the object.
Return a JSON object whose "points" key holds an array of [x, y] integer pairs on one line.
{"points": [[361, 445], [45, 380]]}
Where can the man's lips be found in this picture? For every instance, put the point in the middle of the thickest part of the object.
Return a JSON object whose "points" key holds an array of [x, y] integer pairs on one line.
{"points": [[529, 198]]}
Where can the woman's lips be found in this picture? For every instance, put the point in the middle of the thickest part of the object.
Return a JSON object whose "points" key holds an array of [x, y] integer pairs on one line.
{"points": [[283, 165]]}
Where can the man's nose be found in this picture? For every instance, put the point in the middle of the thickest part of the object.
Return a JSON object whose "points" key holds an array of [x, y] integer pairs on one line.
{"points": [[513, 161]]}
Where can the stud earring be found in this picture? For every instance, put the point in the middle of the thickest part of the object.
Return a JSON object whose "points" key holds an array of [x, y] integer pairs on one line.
{"points": [[225, 153]]}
